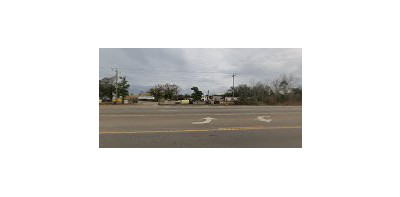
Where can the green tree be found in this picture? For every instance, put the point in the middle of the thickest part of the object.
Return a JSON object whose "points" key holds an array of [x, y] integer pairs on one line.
{"points": [[123, 88], [197, 94], [157, 92], [245, 94], [106, 88], [260, 92], [229, 92]]}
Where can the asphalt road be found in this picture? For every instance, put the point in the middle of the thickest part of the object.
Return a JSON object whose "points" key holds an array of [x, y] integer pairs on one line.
{"points": [[199, 126]]}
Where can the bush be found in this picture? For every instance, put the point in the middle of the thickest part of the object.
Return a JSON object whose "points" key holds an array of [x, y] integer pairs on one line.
{"points": [[132, 99]]}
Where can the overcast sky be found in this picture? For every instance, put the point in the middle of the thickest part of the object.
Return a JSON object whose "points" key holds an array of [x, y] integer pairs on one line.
{"points": [[208, 69]]}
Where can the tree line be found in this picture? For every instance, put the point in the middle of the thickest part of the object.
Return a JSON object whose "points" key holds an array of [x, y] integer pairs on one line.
{"points": [[280, 91], [171, 92]]}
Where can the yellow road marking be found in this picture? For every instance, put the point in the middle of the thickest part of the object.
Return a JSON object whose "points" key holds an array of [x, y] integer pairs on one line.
{"points": [[194, 130], [201, 130]]}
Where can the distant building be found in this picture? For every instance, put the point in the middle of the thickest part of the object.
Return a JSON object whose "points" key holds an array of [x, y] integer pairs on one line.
{"points": [[146, 98], [216, 98], [230, 99]]}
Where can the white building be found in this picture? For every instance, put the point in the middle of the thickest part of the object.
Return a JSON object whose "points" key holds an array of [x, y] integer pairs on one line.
{"points": [[229, 99], [146, 98]]}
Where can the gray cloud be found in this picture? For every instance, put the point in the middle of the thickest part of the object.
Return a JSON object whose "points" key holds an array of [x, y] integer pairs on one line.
{"points": [[209, 69]]}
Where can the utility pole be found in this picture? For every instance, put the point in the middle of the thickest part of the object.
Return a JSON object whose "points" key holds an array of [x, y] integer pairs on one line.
{"points": [[116, 83], [233, 90]]}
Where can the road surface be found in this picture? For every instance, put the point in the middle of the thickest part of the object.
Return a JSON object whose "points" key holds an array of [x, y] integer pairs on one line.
{"points": [[199, 126]]}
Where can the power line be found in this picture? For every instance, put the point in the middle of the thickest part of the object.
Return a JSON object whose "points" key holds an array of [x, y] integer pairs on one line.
{"points": [[158, 70]]}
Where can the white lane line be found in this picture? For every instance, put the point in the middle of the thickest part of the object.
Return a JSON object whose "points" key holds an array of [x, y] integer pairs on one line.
{"points": [[262, 118], [206, 121]]}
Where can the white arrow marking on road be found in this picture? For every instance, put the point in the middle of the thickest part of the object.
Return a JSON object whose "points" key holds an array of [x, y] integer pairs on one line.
{"points": [[261, 118], [206, 120]]}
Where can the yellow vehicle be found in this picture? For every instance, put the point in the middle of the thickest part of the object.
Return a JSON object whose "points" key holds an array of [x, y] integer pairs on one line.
{"points": [[117, 100], [184, 101]]}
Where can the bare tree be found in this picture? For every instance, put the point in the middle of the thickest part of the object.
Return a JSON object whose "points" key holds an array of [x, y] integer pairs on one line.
{"points": [[166, 91]]}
